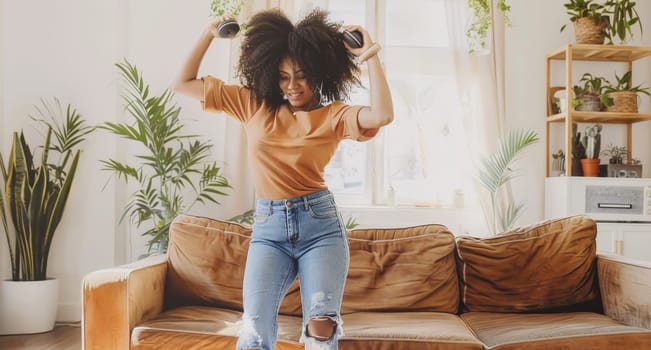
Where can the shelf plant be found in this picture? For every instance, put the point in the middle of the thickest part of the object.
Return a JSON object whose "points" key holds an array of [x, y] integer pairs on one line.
{"points": [[622, 18], [590, 20], [578, 151], [34, 192], [622, 96], [616, 154], [599, 22], [587, 96], [591, 141]]}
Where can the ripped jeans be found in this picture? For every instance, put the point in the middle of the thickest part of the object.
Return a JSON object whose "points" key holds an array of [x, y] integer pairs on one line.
{"points": [[305, 236]]}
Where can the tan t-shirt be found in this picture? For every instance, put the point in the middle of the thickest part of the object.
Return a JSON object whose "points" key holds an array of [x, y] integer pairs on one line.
{"points": [[287, 152]]}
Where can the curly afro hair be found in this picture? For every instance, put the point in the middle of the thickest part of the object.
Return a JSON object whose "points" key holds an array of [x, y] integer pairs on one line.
{"points": [[314, 43]]}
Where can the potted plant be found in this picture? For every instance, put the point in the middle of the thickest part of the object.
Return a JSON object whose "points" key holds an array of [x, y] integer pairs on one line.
{"points": [[622, 18], [590, 20], [172, 173], [595, 22], [578, 151], [622, 96], [616, 154], [587, 97], [591, 141], [33, 197], [558, 163]]}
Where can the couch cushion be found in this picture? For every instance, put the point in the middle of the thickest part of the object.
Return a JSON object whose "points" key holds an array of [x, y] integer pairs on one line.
{"points": [[406, 330], [548, 265], [402, 269], [206, 259], [577, 330], [201, 327]]}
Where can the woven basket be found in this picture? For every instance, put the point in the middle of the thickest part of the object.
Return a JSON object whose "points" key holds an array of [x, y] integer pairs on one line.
{"points": [[587, 32], [623, 102]]}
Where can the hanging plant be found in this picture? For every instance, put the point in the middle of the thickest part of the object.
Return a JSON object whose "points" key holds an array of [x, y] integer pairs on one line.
{"points": [[224, 7], [482, 20]]}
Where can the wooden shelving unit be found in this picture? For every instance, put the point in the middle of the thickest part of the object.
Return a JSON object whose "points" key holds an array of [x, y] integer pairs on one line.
{"points": [[597, 53]]}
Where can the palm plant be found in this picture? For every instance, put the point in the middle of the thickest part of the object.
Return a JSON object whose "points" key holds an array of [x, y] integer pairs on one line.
{"points": [[495, 171], [173, 173], [34, 195]]}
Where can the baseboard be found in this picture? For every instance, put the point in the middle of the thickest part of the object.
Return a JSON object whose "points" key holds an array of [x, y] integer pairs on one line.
{"points": [[69, 312]]}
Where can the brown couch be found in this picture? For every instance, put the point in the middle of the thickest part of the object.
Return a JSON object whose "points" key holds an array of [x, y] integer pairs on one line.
{"points": [[538, 287]]}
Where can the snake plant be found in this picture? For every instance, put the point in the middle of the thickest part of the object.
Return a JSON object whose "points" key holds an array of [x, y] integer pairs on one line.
{"points": [[33, 195]]}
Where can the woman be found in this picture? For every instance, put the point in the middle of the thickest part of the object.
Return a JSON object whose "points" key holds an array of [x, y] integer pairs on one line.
{"points": [[288, 74]]}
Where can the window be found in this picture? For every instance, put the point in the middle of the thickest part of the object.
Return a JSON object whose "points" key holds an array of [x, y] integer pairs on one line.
{"points": [[422, 158]]}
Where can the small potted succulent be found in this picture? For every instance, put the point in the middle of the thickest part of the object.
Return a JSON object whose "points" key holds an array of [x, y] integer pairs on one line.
{"points": [[591, 141], [616, 154]]}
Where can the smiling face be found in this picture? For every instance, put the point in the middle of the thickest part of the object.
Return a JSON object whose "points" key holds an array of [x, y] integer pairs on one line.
{"points": [[294, 85]]}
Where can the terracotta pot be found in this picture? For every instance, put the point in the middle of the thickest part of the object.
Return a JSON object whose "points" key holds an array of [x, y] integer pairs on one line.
{"points": [[590, 167]]}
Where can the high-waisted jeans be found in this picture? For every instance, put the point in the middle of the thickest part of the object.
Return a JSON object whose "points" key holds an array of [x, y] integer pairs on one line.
{"points": [[305, 236]]}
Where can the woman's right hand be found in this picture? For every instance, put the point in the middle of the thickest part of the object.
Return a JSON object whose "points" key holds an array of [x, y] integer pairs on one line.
{"points": [[214, 25]]}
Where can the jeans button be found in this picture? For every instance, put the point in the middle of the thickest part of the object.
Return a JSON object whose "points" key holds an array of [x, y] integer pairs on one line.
{"points": [[289, 203]]}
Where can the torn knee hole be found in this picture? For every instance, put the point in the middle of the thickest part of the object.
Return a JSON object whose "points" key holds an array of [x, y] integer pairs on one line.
{"points": [[321, 328]]}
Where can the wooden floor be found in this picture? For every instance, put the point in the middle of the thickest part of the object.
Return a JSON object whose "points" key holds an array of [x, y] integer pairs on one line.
{"points": [[61, 338]]}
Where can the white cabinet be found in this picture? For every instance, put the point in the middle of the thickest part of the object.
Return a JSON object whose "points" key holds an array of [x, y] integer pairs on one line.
{"points": [[632, 240], [621, 207]]}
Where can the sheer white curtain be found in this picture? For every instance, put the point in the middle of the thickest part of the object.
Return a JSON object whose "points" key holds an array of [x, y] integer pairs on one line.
{"points": [[480, 77]]}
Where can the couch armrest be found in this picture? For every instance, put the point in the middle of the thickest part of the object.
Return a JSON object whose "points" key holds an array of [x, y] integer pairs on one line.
{"points": [[117, 299], [625, 286]]}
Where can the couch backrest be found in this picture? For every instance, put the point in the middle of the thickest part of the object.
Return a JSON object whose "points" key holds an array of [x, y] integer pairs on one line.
{"points": [[390, 270], [550, 265], [405, 269], [206, 261]]}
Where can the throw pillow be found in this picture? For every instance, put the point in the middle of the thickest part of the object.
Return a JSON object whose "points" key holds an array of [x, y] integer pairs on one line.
{"points": [[545, 266]]}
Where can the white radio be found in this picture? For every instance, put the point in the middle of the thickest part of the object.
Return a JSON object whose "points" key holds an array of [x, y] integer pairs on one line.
{"points": [[604, 199]]}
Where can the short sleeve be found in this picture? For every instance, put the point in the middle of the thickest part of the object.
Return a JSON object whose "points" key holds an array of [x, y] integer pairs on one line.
{"points": [[234, 100], [345, 124]]}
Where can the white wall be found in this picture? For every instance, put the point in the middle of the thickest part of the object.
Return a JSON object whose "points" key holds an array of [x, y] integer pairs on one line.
{"points": [[535, 33], [68, 48]]}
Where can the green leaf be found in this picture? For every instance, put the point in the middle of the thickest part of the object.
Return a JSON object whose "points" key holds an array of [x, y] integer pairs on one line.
{"points": [[495, 171]]}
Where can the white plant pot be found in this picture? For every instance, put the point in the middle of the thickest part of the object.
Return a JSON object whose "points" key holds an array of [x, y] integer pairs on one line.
{"points": [[28, 307]]}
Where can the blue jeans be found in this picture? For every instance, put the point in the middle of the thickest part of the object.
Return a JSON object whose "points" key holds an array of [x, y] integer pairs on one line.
{"points": [[305, 236]]}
